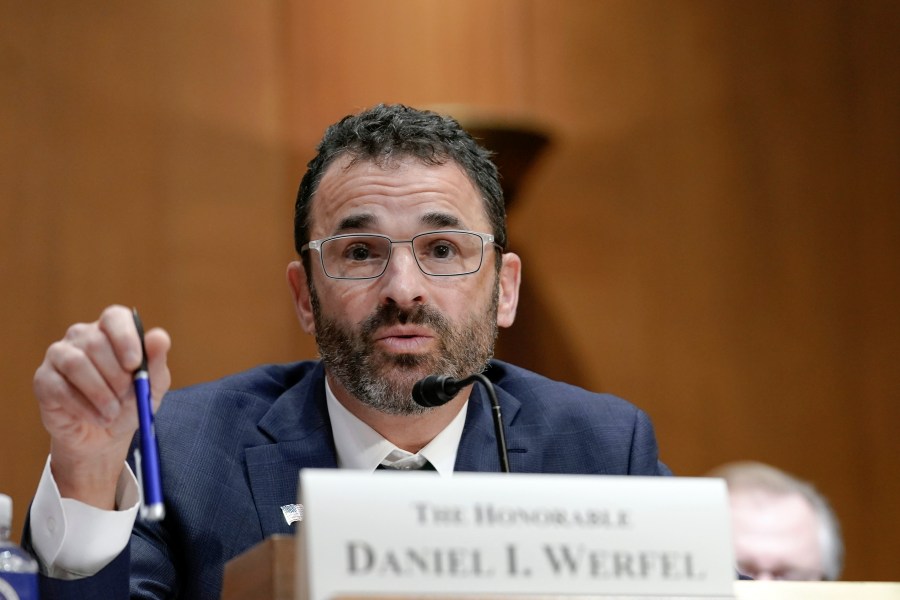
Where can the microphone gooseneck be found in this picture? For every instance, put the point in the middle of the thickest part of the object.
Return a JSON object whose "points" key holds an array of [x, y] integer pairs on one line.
{"points": [[438, 390]]}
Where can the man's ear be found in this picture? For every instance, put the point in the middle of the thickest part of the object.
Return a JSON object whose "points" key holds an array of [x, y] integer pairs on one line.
{"points": [[510, 280], [296, 276]]}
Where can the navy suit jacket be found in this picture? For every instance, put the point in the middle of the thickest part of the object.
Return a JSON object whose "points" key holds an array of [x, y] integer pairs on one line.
{"points": [[231, 451]]}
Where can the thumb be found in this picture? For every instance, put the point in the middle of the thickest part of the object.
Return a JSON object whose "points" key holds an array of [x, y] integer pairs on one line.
{"points": [[158, 342]]}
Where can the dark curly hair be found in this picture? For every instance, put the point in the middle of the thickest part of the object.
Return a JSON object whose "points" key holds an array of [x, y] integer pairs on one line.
{"points": [[386, 133]]}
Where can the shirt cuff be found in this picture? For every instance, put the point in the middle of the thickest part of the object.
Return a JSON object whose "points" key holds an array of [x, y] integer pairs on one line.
{"points": [[73, 539]]}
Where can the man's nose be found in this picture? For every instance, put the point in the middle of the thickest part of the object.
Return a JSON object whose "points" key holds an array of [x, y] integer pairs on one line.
{"points": [[403, 282]]}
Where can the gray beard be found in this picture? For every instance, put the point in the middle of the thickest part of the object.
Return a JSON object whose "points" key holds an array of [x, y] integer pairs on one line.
{"points": [[385, 381]]}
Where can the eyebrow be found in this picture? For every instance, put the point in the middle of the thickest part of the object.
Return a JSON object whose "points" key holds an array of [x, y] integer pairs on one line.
{"points": [[441, 220], [356, 222]]}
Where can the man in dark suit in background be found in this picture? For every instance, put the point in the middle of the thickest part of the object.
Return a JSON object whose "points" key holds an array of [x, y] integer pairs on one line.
{"points": [[400, 228]]}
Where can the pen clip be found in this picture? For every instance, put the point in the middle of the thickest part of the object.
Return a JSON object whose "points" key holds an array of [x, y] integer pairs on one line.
{"points": [[139, 471]]}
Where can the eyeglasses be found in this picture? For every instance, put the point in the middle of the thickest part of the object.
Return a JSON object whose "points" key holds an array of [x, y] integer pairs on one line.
{"points": [[365, 256]]}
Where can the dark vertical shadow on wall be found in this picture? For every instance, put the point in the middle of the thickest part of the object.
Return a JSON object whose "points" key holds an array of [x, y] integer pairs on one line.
{"points": [[536, 340]]}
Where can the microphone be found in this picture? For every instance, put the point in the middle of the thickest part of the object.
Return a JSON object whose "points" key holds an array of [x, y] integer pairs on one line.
{"points": [[438, 390]]}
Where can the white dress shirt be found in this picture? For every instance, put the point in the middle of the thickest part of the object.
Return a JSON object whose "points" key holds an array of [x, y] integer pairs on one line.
{"points": [[361, 447], [74, 540]]}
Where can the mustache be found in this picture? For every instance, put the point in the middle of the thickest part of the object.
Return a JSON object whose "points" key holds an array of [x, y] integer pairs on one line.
{"points": [[391, 314]]}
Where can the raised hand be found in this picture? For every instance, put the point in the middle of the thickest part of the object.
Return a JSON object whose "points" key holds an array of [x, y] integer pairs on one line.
{"points": [[85, 393]]}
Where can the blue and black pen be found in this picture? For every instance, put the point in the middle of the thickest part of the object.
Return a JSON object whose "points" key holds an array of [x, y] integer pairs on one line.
{"points": [[146, 455]]}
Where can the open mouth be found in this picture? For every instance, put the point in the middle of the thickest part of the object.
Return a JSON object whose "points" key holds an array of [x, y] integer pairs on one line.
{"points": [[405, 340]]}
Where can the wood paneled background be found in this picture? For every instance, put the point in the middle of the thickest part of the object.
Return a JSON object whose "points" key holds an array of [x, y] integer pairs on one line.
{"points": [[712, 233]]}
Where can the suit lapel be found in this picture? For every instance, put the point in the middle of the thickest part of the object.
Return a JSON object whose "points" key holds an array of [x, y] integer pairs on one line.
{"points": [[300, 431], [478, 445]]}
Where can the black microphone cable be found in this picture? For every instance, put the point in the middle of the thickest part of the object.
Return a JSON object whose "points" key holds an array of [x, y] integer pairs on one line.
{"points": [[438, 390]]}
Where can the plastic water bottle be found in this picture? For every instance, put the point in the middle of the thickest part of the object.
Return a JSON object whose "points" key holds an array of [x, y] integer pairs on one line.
{"points": [[18, 569]]}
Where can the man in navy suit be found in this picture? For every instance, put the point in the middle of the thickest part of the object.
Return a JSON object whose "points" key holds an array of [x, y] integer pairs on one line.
{"points": [[400, 228]]}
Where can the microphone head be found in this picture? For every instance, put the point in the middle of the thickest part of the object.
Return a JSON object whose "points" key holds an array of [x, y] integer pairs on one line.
{"points": [[435, 390]]}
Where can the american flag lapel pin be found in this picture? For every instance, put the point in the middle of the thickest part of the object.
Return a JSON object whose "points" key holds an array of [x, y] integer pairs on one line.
{"points": [[292, 513]]}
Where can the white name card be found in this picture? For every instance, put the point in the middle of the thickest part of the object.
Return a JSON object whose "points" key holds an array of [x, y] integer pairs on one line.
{"points": [[414, 533]]}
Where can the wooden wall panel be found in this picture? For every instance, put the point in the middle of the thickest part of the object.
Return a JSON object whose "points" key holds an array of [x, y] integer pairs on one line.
{"points": [[712, 234], [709, 174], [354, 54], [143, 163]]}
